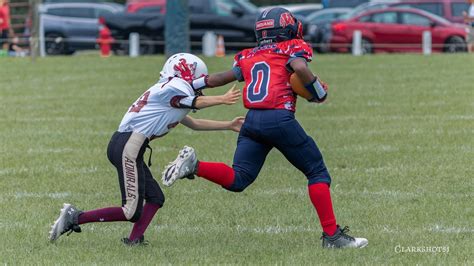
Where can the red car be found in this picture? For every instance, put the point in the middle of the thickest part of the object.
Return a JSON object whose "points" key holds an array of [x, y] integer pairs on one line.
{"points": [[398, 30], [448, 9], [146, 6]]}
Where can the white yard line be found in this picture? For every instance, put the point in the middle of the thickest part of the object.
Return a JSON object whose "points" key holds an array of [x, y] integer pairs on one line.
{"points": [[449, 229], [54, 195]]}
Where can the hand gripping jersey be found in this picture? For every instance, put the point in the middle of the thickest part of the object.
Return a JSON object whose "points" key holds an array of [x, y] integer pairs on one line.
{"points": [[266, 72], [160, 108]]}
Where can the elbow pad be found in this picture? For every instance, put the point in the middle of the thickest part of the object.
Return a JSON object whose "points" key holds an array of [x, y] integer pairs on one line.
{"points": [[317, 90], [193, 104], [184, 102], [200, 83]]}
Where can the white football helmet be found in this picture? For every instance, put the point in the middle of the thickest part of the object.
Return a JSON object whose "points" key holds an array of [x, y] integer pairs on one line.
{"points": [[185, 66]]}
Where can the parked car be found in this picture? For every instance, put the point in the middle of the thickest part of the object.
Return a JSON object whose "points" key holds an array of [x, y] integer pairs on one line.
{"points": [[345, 3], [316, 23], [448, 9], [149, 6], [364, 7], [324, 29], [69, 27], [233, 19], [398, 30], [303, 9], [299, 10]]}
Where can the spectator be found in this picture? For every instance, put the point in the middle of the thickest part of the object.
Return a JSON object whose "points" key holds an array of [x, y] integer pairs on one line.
{"points": [[469, 19], [14, 49], [4, 24]]}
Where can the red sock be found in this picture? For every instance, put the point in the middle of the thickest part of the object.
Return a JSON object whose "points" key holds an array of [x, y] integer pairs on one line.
{"points": [[321, 199], [141, 225], [112, 214], [218, 173]]}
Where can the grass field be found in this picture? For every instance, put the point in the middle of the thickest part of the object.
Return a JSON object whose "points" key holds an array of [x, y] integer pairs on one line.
{"points": [[397, 134]]}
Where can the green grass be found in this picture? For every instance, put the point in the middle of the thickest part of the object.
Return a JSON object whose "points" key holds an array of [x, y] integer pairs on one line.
{"points": [[396, 133]]}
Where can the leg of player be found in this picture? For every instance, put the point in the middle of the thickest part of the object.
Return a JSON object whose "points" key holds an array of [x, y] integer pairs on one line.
{"points": [[248, 160], [154, 200], [302, 152], [125, 152]]}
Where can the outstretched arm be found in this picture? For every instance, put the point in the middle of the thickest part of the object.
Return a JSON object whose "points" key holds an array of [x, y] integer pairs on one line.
{"points": [[214, 80], [204, 124], [230, 97]]}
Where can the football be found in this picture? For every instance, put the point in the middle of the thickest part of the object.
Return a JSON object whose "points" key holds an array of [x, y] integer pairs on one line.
{"points": [[298, 87]]}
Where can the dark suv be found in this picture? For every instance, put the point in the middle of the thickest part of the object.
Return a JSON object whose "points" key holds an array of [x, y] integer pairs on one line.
{"points": [[233, 19]]}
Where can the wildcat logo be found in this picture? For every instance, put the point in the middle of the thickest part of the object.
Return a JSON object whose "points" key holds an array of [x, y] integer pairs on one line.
{"points": [[286, 19]]}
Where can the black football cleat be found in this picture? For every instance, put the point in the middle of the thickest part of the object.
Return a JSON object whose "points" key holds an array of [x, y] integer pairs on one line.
{"points": [[137, 242], [67, 222], [342, 240]]}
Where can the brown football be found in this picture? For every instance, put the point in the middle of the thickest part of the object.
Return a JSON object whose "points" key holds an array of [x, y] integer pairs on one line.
{"points": [[298, 87]]}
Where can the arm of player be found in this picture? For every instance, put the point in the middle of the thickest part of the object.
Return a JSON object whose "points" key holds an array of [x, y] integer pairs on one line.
{"points": [[230, 97], [204, 124], [214, 80], [315, 86]]}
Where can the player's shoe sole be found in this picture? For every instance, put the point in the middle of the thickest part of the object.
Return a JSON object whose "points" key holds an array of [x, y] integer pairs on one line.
{"points": [[65, 222], [182, 167]]}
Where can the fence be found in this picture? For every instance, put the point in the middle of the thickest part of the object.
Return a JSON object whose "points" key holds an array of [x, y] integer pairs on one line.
{"points": [[136, 46]]}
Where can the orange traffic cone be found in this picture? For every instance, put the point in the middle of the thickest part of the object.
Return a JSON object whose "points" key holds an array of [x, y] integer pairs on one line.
{"points": [[220, 49]]}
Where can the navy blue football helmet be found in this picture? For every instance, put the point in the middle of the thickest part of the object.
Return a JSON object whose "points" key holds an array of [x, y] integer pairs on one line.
{"points": [[277, 24]]}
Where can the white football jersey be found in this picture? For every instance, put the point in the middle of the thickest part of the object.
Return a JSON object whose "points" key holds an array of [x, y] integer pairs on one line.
{"points": [[159, 109]]}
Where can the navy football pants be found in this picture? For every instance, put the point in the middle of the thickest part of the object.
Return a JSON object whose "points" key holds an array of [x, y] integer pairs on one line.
{"points": [[265, 129]]}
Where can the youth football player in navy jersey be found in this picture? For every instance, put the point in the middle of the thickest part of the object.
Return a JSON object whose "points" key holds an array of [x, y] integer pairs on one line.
{"points": [[153, 115], [270, 122]]}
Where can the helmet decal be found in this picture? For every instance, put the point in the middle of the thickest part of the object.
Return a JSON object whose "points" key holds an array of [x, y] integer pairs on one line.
{"points": [[286, 19], [185, 66], [265, 24], [186, 70]]}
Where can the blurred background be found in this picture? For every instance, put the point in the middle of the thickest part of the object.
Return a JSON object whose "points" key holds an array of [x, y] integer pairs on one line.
{"points": [[216, 27]]}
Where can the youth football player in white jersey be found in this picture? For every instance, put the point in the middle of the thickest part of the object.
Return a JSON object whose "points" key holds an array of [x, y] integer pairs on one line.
{"points": [[153, 115]]}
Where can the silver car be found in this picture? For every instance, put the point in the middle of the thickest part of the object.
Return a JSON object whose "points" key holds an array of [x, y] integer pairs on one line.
{"points": [[69, 27]]}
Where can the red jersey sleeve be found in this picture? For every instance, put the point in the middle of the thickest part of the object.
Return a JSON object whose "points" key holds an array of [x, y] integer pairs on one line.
{"points": [[298, 48]]}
